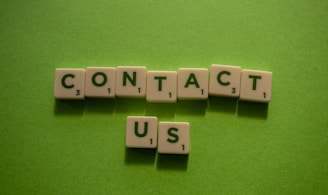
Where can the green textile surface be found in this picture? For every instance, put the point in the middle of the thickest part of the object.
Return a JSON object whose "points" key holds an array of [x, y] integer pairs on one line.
{"points": [[77, 147]]}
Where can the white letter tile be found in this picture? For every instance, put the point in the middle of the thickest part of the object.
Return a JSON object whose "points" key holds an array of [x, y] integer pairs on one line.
{"points": [[162, 86], [69, 83], [192, 83], [225, 81], [100, 82], [256, 86], [141, 132], [173, 138], [131, 81]]}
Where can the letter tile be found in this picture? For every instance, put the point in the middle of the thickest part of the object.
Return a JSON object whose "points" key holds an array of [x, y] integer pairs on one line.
{"points": [[192, 83], [131, 81], [256, 86], [100, 82], [162, 86], [69, 83], [225, 81], [141, 132], [173, 137]]}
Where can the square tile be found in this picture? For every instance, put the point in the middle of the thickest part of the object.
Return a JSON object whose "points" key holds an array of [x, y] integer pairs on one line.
{"points": [[131, 81], [141, 132], [192, 83], [162, 86], [174, 138], [100, 82], [256, 86], [224, 80], [69, 83]]}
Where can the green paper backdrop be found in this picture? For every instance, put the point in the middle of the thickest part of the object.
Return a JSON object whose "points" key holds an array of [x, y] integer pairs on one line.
{"points": [[77, 147]]}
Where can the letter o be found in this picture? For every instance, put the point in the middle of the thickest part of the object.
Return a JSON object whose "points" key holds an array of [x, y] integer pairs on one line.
{"points": [[94, 82]]}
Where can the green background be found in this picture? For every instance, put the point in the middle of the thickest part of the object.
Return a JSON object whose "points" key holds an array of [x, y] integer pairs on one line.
{"points": [[77, 147]]}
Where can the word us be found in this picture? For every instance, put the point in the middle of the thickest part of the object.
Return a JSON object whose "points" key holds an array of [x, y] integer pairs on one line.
{"points": [[163, 86], [168, 137]]}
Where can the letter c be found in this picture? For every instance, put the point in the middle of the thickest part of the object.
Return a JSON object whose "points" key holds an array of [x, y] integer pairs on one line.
{"points": [[219, 78], [64, 79]]}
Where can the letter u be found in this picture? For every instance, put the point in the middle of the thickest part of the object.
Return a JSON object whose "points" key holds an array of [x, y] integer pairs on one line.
{"points": [[136, 131]]}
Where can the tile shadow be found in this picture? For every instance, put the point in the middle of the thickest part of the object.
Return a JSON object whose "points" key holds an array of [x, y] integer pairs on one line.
{"points": [[161, 110], [191, 107], [252, 109], [69, 107], [140, 156], [130, 105], [172, 162], [101, 106], [222, 104]]}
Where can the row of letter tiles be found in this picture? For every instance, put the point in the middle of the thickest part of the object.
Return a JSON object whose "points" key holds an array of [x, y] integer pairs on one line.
{"points": [[163, 86], [168, 137]]}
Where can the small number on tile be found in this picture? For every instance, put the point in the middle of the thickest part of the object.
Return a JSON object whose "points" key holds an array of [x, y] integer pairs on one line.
{"points": [[139, 90], [108, 90], [202, 91], [233, 90], [77, 92], [183, 146], [170, 94], [264, 94], [151, 141]]}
